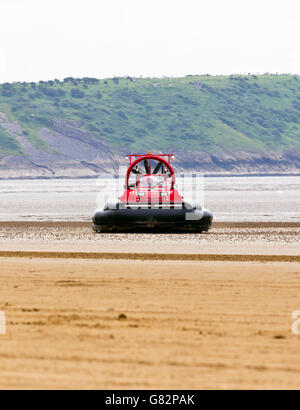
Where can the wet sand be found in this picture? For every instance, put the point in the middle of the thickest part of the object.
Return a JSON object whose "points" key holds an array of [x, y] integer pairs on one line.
{"points": [[197, 311], [224, 238]]}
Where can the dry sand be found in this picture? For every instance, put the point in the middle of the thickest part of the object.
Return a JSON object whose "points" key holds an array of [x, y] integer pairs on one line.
{"points": [[188, 324]]}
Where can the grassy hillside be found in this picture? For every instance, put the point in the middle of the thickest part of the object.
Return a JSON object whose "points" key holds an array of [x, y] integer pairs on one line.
{"points": [[199, 113], [8, 144]]}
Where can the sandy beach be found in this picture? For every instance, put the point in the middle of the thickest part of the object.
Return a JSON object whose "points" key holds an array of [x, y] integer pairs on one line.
{"points": [[131, 323]]}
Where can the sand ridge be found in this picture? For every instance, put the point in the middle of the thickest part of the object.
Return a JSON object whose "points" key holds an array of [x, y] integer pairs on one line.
{"points": [[151, 256]]}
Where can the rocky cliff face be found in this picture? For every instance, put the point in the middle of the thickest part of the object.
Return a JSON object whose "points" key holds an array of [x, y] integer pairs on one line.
{"points": [[240, 162], [73, 152]]}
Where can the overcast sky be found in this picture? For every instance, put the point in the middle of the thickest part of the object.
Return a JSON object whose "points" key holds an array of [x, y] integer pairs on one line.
{"points": [[47, 39]]}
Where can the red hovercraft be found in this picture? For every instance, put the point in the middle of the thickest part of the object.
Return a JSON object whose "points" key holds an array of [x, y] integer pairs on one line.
{"points": [[151, 202]]}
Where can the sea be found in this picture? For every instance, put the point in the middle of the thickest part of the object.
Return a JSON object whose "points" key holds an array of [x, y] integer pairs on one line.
{"points": [[230, 198]]}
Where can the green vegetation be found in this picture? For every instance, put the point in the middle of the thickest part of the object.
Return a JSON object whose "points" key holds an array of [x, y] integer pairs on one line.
{"points": [[8, 144], [202, 113]]}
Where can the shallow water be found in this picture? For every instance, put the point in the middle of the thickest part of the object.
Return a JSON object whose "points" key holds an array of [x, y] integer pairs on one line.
{"points": [[229, 198]]}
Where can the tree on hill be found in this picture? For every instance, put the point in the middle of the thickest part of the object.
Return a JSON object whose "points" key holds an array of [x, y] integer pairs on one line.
{"points": [[76, 93]]}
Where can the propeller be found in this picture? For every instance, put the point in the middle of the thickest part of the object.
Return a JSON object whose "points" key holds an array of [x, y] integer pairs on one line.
{"points": [[157, 168], [147, 168], [136, 170]]}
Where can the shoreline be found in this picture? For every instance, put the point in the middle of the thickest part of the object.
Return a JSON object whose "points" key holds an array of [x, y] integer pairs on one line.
{"points": [[211, 175]]}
